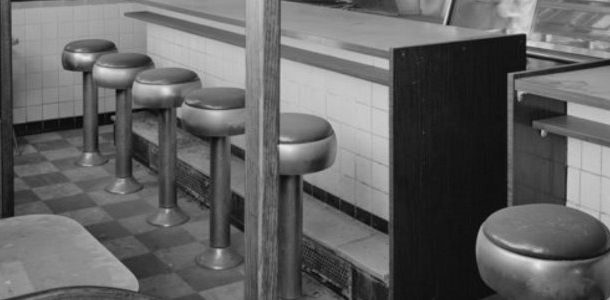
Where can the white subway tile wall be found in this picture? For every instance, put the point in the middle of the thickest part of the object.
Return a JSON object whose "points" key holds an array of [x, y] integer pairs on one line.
{"points": [[588, 178], [43, 90], [357, 109]]}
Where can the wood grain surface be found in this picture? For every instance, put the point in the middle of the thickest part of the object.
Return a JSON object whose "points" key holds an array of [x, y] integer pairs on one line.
{"points": [[262, 158], [448, 161]]}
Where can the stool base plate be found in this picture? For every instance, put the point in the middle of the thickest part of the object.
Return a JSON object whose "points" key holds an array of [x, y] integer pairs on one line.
{"points": [[123, 186], [219, 258], [168, 217], [90, 159]]}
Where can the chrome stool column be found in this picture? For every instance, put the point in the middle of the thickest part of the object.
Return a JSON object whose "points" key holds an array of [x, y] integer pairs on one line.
{"points": [[164, 89], [118, 71], [307, 144], [79, 56], [217, 113], [544, 252]]}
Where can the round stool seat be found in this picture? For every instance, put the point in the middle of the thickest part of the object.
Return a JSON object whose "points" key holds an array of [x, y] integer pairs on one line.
{"points": [[547, 231], [307, 144], [164, 87], [544, 252], [217, 111], [81, 55], [118, 70]]}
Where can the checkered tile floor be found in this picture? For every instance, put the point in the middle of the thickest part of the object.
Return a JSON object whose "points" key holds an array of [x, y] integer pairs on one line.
{"points": [[48, 181]]}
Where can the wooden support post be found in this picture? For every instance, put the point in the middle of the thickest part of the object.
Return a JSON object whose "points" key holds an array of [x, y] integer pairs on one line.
{"points": [[6, 112], [262, 160]]}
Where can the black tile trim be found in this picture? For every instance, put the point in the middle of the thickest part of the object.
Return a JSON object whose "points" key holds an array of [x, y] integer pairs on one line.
{"points": [[60, 124]]}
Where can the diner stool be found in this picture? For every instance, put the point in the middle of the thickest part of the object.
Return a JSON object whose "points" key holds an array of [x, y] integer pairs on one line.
{"points": [[163, 90], [307, 144], [80, 56], [544, 251], [118, 71], [217, 113]]}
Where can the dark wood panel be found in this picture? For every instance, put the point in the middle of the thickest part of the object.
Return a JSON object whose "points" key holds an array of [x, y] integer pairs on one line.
{"points": [[538, 164], [6, 112], [331, 63], [449, 161]]}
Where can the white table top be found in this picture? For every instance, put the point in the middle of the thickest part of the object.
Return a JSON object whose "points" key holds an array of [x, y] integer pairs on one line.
{"points": [[39, 252]]}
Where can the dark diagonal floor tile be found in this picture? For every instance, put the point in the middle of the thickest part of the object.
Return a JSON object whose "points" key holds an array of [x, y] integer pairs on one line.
{"points": [[125, 247], [107, 231], [25, 196], [86, 173], [165, 286], [51, 145], [146, 265], [165, 238], [202, 279], [31, 208], [66, 163], [45, 179], [59, 190], [93, 185], [32, 158], [64, 204], [191, 297], [128, 209]]}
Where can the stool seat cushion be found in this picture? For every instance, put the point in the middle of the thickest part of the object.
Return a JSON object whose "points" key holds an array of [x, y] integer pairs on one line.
{"points": [[90, 46], [164, 88], [547, 231], [124, 60], [307, 144], [214, 112], [298, 128], [82, 54], [217, 98], [118, 70], [165, 76]]}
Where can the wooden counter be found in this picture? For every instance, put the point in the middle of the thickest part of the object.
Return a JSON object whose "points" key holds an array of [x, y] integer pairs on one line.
{"points": [[423, 102]]}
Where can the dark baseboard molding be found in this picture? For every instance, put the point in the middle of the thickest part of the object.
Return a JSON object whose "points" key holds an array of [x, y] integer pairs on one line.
{"points": [[75, 122]]}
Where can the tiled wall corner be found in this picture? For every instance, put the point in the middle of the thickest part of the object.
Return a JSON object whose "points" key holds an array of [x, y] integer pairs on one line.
{"points": [[42, 89], [357, 109], [588, 169]]}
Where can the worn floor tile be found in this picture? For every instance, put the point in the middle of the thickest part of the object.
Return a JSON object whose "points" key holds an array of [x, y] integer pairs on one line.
{"points": [[25, 196], [32, 169], [192, 297], [20, 185], [86, 173], [226, 292], [51, 145], [137, 224], [108, 231], [200, 229], [104, 198], [45, 179], [204, 279], [43, 137], [165, 238], [70, 203], [59, 190], [166, 286], [68, 152], [32, 208], [32, 158], [180, 257], [128, 209], [88, 216], [92, 185], [66, 163], [146, 265], [125, 247]]}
